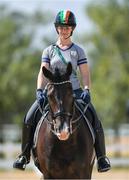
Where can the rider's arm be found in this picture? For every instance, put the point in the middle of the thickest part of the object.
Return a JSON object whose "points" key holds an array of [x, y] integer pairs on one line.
{"points": [[85, 75], [45, 61], [84, 68], [41, 80]]}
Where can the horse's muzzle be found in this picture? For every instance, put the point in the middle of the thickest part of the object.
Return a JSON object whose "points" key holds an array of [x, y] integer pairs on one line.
{"points": [[63, 136], [63, 133]]}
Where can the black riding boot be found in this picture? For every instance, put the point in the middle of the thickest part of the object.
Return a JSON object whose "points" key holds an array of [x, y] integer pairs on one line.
{"points": [[103, 163], [27, 139]]}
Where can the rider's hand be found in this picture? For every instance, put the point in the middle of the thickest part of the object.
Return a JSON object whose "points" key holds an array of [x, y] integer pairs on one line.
{"points": [[40, 96], [85, 96]]}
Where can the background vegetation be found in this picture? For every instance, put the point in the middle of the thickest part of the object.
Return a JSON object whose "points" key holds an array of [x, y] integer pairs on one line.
{"points": [[107, 47]]}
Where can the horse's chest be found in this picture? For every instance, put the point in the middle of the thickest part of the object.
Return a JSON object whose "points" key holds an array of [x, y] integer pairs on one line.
{"points": [[65, 160], [64, 166]]}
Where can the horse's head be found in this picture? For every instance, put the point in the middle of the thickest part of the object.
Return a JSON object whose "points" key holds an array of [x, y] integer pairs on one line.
{"points": [[60, 98]]}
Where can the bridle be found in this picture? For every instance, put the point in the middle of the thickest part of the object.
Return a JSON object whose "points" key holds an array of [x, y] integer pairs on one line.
{"points": [[59, 113], [69, 115]]}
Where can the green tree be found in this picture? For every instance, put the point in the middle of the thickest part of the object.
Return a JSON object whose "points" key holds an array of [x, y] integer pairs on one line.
{"points": [[109, 56], [19, 62]]}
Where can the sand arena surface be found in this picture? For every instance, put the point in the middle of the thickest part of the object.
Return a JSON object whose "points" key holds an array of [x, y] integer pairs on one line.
{"points": [[31, 175]]}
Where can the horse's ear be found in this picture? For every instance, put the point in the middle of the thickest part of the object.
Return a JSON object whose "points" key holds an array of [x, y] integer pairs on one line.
{"points": [[69, 69], [48, 74]]}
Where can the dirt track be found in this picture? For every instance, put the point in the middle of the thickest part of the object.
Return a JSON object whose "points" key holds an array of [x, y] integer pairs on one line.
{"points": [[19, 175]]}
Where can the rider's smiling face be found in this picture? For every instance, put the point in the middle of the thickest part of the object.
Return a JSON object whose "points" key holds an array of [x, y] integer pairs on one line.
{"points": [[64, 31]]}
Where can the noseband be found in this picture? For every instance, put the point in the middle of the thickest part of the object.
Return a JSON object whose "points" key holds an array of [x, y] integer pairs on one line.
{"points": [[61, 113]]}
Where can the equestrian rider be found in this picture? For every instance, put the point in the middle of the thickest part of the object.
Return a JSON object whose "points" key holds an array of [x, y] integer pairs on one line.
{"points": [[54, 56]]}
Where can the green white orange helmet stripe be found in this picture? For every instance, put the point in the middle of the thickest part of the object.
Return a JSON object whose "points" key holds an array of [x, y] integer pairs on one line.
{"points": [[65, 17]]}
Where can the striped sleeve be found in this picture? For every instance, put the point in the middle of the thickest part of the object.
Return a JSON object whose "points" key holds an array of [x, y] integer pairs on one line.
{"points": [[45, 56], [82, 57], [82, 61]]}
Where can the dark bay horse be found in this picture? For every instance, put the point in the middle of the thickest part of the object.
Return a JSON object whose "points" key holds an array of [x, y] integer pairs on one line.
{"points": [[65, 148]]}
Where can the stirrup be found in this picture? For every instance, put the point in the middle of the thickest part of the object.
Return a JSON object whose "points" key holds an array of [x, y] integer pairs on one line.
{"points": [[24, 165], [107, 167], [20, 162], [105, 157]]}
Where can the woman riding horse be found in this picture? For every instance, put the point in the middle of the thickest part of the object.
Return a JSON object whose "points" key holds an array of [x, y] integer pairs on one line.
{"points": [[58, 55], [64, 148]]}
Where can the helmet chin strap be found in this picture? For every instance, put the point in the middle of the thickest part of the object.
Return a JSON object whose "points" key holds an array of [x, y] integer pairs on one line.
{"points": [[68, 36]]}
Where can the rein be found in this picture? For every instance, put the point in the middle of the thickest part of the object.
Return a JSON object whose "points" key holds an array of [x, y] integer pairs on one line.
{"points": [[72, 121], [61, 113]]}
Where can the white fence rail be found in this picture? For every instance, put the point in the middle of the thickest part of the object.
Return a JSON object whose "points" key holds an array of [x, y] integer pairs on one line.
{"points": [[117, 147]]}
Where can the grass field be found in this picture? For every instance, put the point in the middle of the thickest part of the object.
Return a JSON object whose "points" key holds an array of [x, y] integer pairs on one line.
{"points": [[114, 174]]}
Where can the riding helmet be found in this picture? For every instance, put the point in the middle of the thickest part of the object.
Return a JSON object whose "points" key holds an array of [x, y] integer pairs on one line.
{"points": [[66, 18]]}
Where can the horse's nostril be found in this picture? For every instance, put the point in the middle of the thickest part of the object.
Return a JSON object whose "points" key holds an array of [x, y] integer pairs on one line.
{"points": [[69, 129]]}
